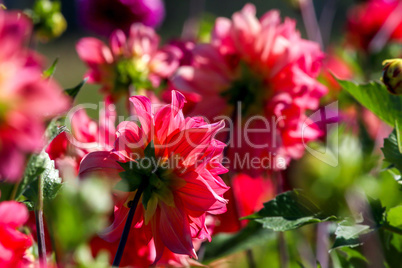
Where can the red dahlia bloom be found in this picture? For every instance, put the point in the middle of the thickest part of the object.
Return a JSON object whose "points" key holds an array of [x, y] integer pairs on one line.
{"points": [[367, 20], [177, 161], [246, 196], [267, 66], [13, 243]]}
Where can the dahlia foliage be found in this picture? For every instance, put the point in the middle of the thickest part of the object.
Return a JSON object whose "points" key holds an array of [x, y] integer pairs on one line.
{"points": [[206, 145]]}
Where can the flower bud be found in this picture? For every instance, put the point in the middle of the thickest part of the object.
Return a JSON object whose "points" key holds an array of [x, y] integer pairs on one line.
{"points": [[392, 75], [48, 21]]}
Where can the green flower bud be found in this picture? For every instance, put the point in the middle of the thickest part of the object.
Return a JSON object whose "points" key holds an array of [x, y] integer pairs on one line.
{"points": [[48, 20], [392, 75]]}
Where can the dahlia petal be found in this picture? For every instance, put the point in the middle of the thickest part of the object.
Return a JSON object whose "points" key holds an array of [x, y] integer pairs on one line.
{"points": [[196, 195], [142, 108], [131, 141], [174, 229], [118, 42], [13, 214], [93, 51], [101, 163]]}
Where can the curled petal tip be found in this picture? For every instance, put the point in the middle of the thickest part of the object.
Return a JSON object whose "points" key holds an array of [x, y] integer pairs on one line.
{"points": [[194, 255]]}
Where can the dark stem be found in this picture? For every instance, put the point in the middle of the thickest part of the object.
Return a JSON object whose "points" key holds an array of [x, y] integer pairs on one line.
{"points": [[127, 226], [40, 228], [250, 258], [283, 253], [392, 229]]}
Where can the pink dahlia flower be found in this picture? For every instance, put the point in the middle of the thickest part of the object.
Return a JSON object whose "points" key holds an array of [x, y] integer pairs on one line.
{"points": [[26, 99], [13, 243], [105, 16], [134, 62], [266, 65], [177, 161], [367, 20], [68, 148]]}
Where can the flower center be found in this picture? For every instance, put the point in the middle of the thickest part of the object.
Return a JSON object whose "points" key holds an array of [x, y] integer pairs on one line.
{"points": [[249, 90], [131, 72], [157, 177]]}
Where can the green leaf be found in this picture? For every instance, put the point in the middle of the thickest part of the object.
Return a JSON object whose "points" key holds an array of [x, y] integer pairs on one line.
{"points": [[37, 162], [150, 150], [375, 97], [394, 225], [352, 234], [49, 72], [351, 257], [73, 92], [55, 128], [225, 244], [43, 167], [391, 151], [349, 234], [131, 177], [289, 210], [146, 195], [394, 216]]}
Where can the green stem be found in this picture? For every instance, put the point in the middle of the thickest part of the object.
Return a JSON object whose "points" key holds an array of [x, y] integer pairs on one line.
{"points": [[40, 228], [14, 192], [392, 229]]}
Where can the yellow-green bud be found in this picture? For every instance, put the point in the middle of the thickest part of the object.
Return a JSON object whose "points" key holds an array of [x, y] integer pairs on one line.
{"points": [[392, 75], [48, 19]]}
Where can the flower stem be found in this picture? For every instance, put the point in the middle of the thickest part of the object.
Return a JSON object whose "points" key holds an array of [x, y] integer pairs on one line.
{"points": [[392, 229], [127, 226], [40, 228], [250, 258]]}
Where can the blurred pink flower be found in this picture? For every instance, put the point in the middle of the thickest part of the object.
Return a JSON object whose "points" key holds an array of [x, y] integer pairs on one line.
{"points": [[246, 196], [26, 99], [367, 19], [184, 184], [335, 65], [271, 70], [132, 62], [105, 16], [13, 243]]}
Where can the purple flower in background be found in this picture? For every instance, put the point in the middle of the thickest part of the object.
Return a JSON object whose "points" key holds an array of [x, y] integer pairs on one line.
{"points": [[104, 16]]}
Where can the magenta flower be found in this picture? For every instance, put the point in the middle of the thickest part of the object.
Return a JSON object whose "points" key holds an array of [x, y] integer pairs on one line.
{"points": [[183, 183], [13, 243], [132, 62], [105, 16], [267, 66], [26, 99]]}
